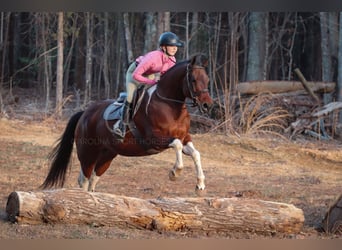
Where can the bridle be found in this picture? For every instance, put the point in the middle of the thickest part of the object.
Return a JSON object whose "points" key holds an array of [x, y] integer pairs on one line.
{"points": [[189, 83], [190, 80]]}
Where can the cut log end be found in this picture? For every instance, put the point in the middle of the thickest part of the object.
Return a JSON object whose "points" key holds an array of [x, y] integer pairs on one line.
{"points": [[332, 222], [13, 207]]}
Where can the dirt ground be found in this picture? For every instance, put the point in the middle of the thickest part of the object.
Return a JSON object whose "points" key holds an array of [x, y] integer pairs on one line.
{"points": [[306, 173]]}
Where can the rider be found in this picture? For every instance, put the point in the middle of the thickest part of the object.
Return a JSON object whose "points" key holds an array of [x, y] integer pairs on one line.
{"points": [[147, 69]]}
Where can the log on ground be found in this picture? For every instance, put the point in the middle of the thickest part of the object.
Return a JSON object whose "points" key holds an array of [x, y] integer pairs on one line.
{"points": [[257, 87], [75, 206]]}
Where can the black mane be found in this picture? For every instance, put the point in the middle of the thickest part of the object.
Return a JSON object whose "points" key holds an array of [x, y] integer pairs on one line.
{"points": [[198, 59]]}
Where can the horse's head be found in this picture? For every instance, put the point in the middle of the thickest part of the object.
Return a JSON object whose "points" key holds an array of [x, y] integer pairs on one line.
{"points": [[197, 82]]}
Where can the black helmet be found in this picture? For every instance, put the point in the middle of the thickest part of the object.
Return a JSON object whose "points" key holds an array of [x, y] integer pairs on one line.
{"points": [[170, 39]]}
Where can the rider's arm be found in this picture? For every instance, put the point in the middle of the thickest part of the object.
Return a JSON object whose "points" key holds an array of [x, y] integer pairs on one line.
{"points": [[151, 63]]}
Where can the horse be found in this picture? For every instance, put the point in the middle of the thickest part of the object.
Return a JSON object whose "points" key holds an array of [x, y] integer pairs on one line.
{"points": [[162, 121]]}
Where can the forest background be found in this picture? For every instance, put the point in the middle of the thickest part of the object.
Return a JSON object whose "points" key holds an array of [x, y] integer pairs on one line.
{"points": [[72, 58]]}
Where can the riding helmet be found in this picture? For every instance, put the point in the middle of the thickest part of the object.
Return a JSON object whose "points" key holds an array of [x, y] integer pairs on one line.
{"points": [[170, 39]]}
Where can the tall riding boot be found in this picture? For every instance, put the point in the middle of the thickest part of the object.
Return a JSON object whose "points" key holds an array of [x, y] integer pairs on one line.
{"points": [[120, 126]]}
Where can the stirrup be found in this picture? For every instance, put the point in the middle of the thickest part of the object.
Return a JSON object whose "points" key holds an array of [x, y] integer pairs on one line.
{"points": [[118, 129]]}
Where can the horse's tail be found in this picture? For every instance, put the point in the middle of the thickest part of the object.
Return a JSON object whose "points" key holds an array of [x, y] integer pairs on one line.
{"points": [[60, 155]]}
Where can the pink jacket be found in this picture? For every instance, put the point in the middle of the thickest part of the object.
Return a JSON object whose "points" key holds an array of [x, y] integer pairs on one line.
{"points": [[153, 62]]}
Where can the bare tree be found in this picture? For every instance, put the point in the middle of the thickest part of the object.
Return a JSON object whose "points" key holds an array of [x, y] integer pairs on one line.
{"points": [[193, 35], [128, 37], [89, 59], [256, 46], [1, 50], [106, 55], [339, 78], [120, 68], [326, 56], [278, 40], [59, 84], [72, 33], [46, 61], [151, 32], [4, 29], [163, 22]]}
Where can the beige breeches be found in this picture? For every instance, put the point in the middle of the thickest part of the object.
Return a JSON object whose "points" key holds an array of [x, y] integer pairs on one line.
{"points": [[131, 84]]}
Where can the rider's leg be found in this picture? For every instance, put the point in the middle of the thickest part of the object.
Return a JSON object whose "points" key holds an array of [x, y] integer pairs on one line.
{"points": [[131, 86], [120, 125]]}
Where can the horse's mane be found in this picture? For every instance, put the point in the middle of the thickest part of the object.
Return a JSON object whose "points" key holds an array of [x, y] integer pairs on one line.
{"points": [[174, 68], [198, 59]]}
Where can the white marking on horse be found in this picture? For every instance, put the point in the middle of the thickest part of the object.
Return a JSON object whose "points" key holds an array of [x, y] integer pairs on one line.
{"points": [[94, 179], [88, 184], [177, 168], [188, 149]]}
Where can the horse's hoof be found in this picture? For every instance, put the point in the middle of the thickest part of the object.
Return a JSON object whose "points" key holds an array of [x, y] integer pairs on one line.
{"points": [[172, 175], [200, 191]]}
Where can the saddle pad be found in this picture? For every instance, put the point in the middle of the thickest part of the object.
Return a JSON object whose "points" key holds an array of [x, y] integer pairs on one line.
{"points": [[113, 111]]}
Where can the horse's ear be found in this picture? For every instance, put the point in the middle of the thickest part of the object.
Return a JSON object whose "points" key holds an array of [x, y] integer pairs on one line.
{"points": [[204, 60], [200, 60]]}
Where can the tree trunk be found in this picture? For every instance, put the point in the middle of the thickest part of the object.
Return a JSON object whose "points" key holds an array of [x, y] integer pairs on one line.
{"points": [[256, 48], [47, 62], [339, 74], [128, 37], [193, 48], [326, 55], [150, 33], [163, 22], [74, 30], [89, 60], [75, 206], [120, 68], [1, 53], [232, 54], [4, 31], [106, 55], [187, 35], [59, 87], [80, 60]]}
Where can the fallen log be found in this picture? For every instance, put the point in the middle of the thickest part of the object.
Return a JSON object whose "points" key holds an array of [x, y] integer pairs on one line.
{"points": [[328, 108], [75, 206], [306, 85], [276, 87], [308, 120]]}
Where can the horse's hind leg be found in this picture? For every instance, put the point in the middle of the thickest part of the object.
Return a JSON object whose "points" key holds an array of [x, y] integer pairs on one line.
{"points": [[83, 181], [95, 177], [102, 164], [87, 161], [189, 149]]}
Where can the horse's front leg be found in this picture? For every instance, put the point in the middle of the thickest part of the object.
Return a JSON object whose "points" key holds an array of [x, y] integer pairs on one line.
{"points": [[189, 149], [177, 168]]}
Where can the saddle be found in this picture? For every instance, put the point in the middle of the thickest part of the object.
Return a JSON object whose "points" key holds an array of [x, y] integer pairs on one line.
{"points": [[113, 110]]}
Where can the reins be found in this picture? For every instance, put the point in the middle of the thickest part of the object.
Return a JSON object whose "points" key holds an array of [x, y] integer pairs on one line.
{"points": [[193, 94], [168, 99]]}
